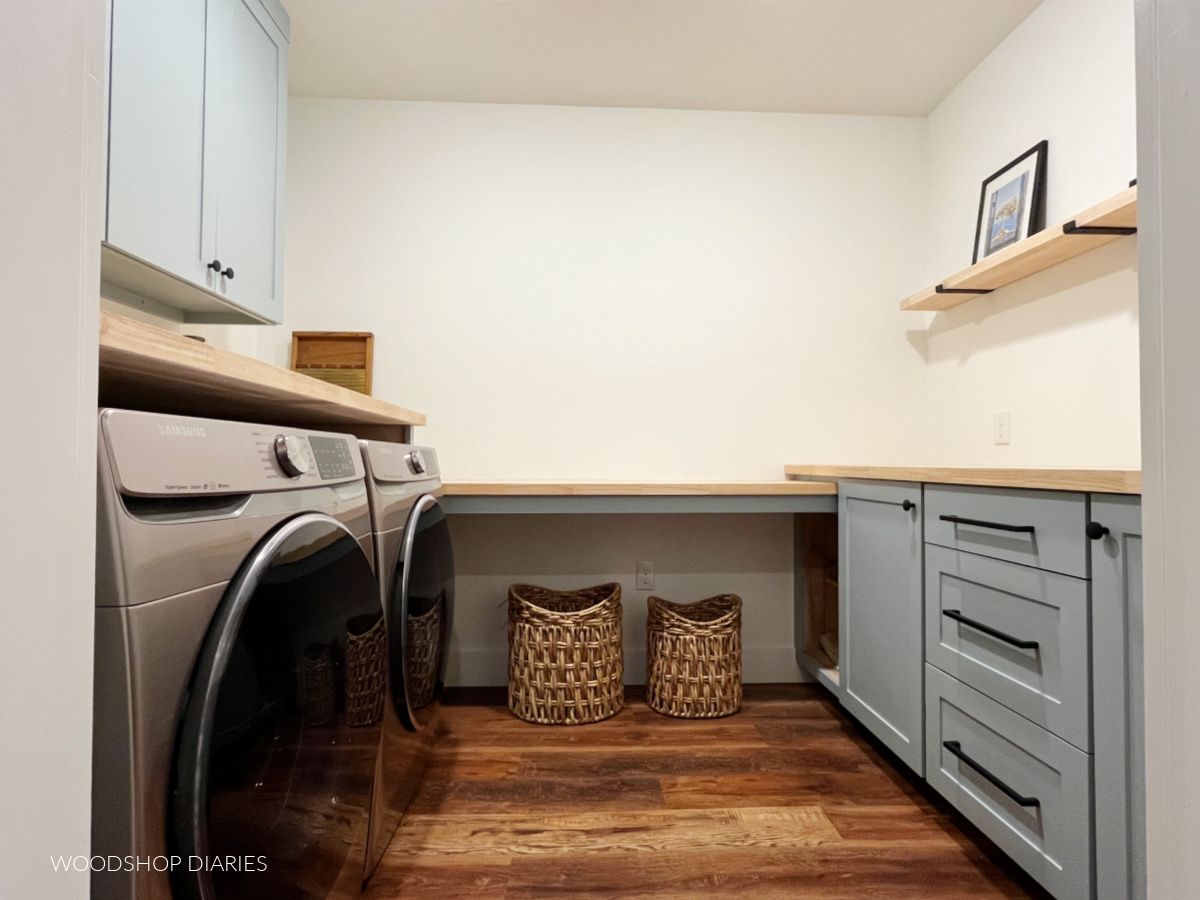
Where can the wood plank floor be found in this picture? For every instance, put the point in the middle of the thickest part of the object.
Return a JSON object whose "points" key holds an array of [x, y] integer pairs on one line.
{"points": [[785, 799]]}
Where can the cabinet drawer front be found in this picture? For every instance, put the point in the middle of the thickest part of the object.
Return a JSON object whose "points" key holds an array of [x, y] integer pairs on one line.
{"points": [[1035, 528], [1007, 756], [982, 615]]}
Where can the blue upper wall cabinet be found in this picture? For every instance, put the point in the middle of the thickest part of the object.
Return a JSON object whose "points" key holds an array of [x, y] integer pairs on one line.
{"points": [[197, 127]]}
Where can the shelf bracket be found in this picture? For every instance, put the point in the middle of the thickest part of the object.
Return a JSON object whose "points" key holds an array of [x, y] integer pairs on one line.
{"points": [[942, 289], [1072, 228]]}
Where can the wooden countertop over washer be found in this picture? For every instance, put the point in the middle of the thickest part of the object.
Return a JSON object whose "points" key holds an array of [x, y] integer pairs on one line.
{"points": [[1101, 481], [147, 368]]}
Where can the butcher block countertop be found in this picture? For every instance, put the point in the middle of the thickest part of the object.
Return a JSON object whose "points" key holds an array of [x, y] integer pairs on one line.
{"points": [[147, 368], [1102, 481], [637, 488], [640, 496]]}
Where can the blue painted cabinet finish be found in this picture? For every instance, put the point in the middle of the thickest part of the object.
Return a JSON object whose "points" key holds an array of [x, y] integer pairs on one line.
{"points": [[881, 651], [197, 128], [1119, 723], [1024, 787]]}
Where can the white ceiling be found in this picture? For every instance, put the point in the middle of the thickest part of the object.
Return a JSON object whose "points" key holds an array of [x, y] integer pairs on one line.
{"points": [[872, 57]]}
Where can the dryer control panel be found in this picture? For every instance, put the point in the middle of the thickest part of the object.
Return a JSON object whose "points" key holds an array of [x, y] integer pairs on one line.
{"points": [[396, 463], [161, 455]]}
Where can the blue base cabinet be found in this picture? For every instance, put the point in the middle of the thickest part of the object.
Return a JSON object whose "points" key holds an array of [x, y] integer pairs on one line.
{"points": [[1119, 716], [992, 639], [880, 595]]}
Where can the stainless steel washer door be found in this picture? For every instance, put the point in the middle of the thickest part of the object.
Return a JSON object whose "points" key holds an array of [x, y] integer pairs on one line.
{"points": [[272, 784]]}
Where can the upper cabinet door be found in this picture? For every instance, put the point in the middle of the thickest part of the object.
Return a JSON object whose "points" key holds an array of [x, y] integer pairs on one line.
{"points": [[197, 120], [156, 134], [881, 652], [246, 123]]}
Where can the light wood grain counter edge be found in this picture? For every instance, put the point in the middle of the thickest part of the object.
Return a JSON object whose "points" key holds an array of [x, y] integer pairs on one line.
{"points": [[637, 489], [1103, 481], [149, 355]]}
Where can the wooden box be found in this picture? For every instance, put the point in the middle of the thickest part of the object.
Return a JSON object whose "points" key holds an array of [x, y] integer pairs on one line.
{"points": [[339, 357]]}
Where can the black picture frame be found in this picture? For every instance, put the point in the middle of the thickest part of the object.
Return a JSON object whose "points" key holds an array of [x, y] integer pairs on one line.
{"points": [[1021, 182]]}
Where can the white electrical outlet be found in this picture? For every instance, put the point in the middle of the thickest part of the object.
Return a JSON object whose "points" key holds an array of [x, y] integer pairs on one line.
{"points": [[645, 576], [1003, 426]]}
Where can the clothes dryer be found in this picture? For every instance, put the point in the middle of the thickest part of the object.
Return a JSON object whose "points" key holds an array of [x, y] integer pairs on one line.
{"points": [[415, 570], [234, 741]]}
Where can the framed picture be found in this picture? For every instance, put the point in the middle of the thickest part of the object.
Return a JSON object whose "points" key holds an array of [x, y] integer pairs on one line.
{"points": [[1012, 204]]}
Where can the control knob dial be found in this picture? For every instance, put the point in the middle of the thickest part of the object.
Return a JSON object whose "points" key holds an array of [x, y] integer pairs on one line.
{"points": [[289, 451]]}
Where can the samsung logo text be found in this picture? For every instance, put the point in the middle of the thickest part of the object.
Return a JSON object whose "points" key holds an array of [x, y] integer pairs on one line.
{"points": [[182, 430]]}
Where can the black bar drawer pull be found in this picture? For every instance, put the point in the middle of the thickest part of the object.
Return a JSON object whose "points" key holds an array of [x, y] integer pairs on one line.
{"points": [[998, 526], [956, 748], [987, 629]]}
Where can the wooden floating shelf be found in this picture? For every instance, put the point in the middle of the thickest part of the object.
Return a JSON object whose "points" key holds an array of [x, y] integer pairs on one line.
{"points": [[147, 368], [1047, 248]]}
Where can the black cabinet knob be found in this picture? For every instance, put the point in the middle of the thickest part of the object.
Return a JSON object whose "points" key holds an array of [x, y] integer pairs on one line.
{"points": [[228, 273], [1096, 531], [908, 505], [215, 265]]}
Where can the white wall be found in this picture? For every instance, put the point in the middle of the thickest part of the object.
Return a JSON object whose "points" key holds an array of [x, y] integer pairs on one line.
{"points": [[616, 293], [51, 168], [1169, 218], [694, 556], [1059, 349]]}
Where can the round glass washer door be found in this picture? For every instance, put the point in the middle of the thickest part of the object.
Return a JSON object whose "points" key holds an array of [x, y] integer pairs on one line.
{"points": [[275, 758]]}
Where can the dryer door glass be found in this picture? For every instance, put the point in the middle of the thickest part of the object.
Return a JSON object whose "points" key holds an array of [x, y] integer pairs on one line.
{"points": [[420, 611], [422, 599], [276, 755]]}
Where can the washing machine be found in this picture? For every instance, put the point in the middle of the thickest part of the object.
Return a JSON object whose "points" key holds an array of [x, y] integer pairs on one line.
{"points": [[415, 570], [240, 667]]}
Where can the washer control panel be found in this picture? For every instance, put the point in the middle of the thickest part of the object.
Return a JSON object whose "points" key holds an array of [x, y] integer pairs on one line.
{"points": [[289, 453], [160, 455], [335, 458]]}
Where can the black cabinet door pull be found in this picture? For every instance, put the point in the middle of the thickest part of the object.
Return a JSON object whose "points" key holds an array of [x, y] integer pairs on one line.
{"points": [[955, 747], [1096, 531], [987, 629], [908, 505], [979, 523], [215, 265]]}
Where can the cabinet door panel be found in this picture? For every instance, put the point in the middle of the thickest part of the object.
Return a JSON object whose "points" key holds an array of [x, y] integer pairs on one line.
{"points": [[156, 134], [1119, 720], [244, 164], [880, 588]]}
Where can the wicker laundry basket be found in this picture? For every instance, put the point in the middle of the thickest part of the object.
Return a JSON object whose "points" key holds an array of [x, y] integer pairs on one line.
{"points": [[425, 642], [366, 675], [318, 683], [694, 657], [565, 662]]}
